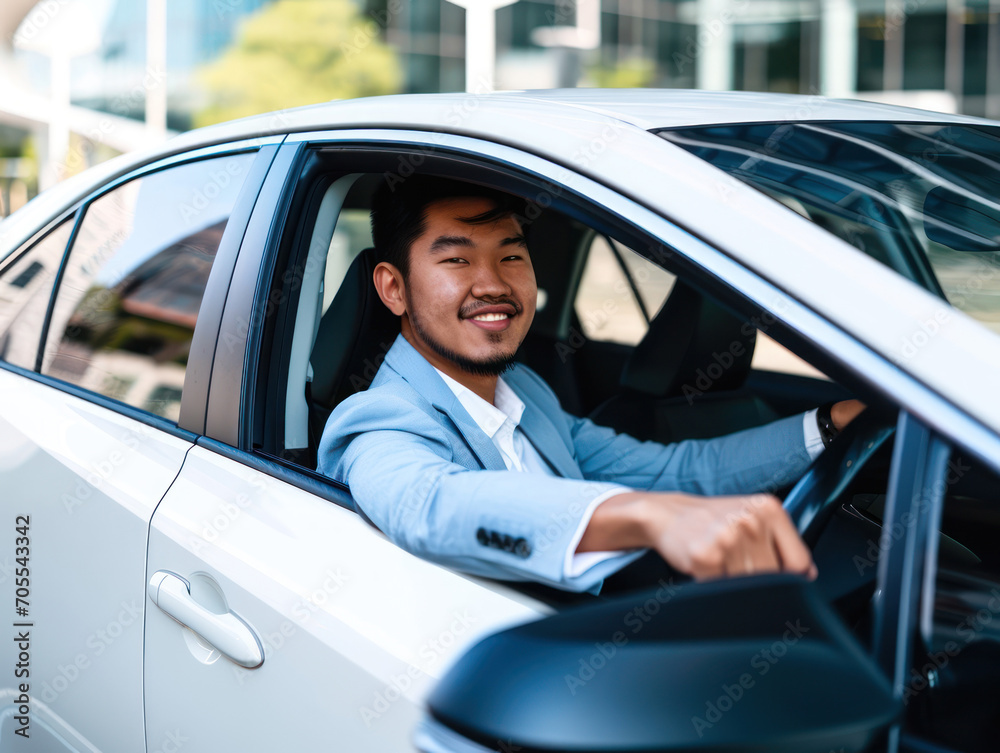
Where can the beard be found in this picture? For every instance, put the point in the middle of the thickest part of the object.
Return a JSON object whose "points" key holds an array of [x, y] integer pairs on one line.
{"points": [[492, 366]]}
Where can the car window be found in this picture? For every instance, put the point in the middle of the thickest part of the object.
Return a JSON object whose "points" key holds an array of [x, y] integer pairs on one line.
{"points": [[25, 290], [621, 292], [351, 236], [920, 198], [129, 296]]}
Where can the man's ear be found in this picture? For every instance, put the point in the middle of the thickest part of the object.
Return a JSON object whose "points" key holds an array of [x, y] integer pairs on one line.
{"points": [[390, 287]]}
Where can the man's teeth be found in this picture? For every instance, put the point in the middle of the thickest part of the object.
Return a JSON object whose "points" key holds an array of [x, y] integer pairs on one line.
{"points": [[490, 317]]}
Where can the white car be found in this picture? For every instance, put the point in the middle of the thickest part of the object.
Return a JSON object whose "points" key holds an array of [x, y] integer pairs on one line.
{"points": [[175, 327]]}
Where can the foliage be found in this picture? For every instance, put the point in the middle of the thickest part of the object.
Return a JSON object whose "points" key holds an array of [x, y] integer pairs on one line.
{"points": [[628, 74], [298, 52]]}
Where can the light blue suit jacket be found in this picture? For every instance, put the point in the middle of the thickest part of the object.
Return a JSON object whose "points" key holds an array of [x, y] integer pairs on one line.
{"points": [[425, 473]]}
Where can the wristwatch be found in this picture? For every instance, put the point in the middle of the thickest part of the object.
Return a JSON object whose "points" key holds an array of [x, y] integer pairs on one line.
{"points": [[827, 431]]}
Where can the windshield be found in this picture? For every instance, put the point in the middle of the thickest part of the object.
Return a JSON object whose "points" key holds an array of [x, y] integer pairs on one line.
{"points": [[922, 199]]}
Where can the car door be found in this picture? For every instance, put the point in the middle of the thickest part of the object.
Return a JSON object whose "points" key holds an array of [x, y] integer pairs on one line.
{"points": [[90, 437], [283, 620]]}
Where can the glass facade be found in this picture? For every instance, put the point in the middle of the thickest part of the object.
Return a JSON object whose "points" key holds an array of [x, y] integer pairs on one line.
{"points": [[900, 50]]}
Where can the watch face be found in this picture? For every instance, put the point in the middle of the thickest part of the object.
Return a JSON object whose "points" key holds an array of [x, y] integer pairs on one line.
{"points": [[824, 420]]}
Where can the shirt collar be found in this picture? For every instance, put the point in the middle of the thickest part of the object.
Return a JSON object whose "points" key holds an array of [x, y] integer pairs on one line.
{"points": [[489, 418]]}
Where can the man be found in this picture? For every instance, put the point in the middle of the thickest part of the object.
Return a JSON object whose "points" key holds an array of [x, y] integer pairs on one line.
{"points": [[486, 473]]}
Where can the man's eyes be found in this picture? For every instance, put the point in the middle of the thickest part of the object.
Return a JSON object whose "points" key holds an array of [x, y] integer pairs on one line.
{"points": [[460, 260]]}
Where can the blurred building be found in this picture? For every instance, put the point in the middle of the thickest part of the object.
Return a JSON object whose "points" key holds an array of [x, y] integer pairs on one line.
{"points": [[113, 78], [938, 52], [943, 54]]}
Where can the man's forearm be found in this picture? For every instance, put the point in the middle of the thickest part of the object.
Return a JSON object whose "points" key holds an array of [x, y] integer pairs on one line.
{"points": [[620, 522], [707, 537]]}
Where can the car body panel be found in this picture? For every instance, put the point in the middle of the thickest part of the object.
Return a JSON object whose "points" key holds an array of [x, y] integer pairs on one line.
{"points": [[353, 628], [89, 479]]}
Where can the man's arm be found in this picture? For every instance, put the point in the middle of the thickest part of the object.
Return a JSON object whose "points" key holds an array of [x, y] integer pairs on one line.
{"points": [[708, 537], [404, 472]]}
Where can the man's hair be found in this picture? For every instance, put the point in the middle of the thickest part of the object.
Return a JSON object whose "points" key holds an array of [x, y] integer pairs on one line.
{"points": [[399, 212]]}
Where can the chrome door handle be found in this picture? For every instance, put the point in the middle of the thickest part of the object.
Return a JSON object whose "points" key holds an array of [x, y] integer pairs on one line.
{"points": [[227, 632]]}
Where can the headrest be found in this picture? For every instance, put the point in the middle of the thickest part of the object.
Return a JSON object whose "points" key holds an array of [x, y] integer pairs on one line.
{"points": [[692, 342], [353, 337]]}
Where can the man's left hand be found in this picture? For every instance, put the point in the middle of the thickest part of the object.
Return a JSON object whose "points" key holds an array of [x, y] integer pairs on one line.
{"points": [[844, 412]]}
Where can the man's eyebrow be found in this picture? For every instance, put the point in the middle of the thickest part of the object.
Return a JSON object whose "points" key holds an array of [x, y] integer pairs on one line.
{"points": [[515, 240], [447, 241]]}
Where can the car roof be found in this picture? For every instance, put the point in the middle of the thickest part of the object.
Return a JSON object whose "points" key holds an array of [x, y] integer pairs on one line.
{"points": [[677, 108], [827, 275]]}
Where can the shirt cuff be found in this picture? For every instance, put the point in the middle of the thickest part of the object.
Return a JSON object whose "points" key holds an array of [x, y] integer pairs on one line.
{"points": [[576, 563], [810, 429]]}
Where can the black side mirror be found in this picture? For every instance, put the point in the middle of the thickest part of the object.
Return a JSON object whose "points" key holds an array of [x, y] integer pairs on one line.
{"points": [[748, 664]]}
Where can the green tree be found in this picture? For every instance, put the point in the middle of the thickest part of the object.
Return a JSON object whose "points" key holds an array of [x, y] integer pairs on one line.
{"points": [[633, 73], [298, 52]]}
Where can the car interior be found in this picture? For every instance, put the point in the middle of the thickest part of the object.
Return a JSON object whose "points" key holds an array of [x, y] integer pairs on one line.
{"points": [[635, 337]]}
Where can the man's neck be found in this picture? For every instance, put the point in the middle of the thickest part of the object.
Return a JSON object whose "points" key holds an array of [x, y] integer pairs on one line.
{"points": [[484, 385]]}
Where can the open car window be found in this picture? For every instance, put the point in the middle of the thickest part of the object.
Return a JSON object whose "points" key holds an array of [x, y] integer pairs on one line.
{"points": [[325, 340], [600, 302]]}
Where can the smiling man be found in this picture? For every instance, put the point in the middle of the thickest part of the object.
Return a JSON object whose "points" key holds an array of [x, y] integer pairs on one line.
{"points": [[463, 457]]}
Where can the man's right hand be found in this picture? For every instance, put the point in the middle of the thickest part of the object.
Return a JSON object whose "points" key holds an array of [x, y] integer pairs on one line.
{"points": [[706, 537]]}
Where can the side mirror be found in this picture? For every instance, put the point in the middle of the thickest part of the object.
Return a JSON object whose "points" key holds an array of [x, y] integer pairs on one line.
{"points": [[959, 222], [747, 664]]}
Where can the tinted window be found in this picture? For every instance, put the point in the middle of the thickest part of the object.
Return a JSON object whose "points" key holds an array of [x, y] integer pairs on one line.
{"points": [[920, 198], [620, 293], [129, 298], [25, 289]]}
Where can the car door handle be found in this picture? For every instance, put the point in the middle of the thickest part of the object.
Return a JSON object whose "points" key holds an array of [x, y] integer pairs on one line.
{"points": [[227, 632]]}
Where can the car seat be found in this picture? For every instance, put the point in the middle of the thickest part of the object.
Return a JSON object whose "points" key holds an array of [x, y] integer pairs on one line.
{"points": [[685, 379], [353, 337]]}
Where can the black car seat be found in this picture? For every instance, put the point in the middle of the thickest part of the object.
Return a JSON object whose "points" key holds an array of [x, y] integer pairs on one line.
{"points": [[685, 378], [353, 337]]}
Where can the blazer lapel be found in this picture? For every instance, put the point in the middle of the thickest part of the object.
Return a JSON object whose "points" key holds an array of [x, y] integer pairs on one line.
{"points": [[543, 436], [413, 367]]}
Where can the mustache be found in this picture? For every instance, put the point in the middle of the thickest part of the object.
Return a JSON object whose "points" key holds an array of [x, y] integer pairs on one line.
{"points": [[471, 310]]}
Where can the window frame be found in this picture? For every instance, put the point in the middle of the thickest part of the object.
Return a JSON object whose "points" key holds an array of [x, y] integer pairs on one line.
{"points": [[72, 219], [193, 398], [230, 413]]}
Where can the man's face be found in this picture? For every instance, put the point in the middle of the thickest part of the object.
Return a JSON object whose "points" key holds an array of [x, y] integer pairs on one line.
{"points": [[470, 292]]}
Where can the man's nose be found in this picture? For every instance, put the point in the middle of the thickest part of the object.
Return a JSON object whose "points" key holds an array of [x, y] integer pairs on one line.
{"points": [[490, 281]]}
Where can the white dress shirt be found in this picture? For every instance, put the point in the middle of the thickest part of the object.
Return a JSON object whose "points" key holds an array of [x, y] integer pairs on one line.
{"points": [[500, 421]]}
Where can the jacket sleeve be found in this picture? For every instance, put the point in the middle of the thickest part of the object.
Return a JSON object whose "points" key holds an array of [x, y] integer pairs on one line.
{"points": [[763, 458], [398, 462]]}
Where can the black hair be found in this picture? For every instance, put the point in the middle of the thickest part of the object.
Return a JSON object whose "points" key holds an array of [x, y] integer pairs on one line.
{"points": [[399, 212]]}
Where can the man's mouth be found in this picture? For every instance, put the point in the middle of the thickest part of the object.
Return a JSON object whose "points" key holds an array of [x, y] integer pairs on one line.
{"points": [[494, 317]]}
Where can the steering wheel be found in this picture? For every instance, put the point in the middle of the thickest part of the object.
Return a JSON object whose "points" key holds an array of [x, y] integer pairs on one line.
{"points": [[810, 502]]}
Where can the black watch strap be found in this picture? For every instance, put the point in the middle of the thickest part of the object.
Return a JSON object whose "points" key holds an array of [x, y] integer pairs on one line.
{"points": [[827, 431]]}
